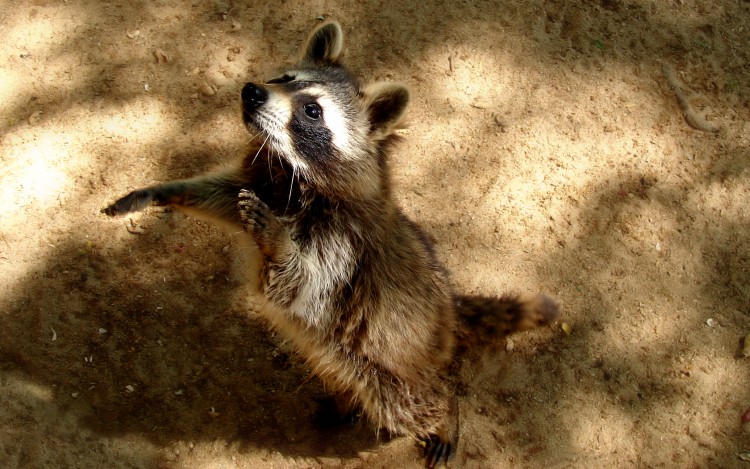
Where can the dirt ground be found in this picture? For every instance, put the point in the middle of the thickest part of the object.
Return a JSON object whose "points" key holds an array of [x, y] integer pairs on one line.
{"points": [[598, 151]]}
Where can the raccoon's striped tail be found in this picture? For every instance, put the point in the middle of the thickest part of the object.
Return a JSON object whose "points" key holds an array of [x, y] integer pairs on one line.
{"points": [[484, 319]]}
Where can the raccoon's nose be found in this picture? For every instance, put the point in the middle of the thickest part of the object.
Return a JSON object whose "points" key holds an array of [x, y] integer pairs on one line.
{"points": [[253, 96]]}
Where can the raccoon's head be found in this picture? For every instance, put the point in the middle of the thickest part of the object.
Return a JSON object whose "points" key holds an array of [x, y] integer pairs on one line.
{"points": [[318, 120]]}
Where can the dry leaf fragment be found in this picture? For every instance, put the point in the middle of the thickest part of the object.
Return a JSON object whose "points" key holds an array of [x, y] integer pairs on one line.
{"points": [[161, 56], [35, 118], [133, 228]]}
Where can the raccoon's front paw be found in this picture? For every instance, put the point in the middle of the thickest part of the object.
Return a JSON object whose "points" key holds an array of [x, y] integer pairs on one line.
{"points": [[133, 202], [262, 225]]}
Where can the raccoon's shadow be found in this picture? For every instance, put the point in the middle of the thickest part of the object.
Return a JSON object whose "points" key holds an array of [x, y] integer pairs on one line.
{"points": [[170, 356]]}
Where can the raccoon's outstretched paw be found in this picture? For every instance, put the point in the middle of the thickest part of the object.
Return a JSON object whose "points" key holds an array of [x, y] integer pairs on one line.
{"points": [[262, 225], [133, 202], [436, 451]]}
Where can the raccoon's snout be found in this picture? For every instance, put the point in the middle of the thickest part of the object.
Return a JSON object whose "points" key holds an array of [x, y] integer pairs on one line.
{"points": [[253, 96]]}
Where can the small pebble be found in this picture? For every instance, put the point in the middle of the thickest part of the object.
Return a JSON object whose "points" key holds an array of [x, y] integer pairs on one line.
{"points": [[129, 388], [509, 345], [207, 89], [566, 328], [711, 322]]}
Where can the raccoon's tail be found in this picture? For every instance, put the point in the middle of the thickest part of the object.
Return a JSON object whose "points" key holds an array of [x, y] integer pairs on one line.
{"points": [[484, 319]]}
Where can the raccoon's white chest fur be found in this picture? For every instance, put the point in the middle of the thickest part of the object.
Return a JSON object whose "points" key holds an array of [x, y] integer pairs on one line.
{"points": [[306, 286]]}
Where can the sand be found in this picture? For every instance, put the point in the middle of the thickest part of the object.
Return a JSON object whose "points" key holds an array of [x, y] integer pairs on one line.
{"points": [[552, 147]]}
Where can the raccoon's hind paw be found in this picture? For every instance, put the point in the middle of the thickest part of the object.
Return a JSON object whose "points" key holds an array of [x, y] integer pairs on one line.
{"points": [[262, 225], [436, 451], [133, 202], [440, 447]]}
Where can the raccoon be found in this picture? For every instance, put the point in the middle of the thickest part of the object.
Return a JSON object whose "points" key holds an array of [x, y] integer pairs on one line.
{"points": [[346, 277]]}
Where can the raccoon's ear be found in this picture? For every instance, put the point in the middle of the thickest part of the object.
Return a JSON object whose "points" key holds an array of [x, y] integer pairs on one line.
{"points": [[386, 104], [324, 44]]}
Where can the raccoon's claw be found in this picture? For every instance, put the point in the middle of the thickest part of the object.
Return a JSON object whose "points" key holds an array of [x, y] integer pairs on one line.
{"points": [[133, 202], [254, 214], [436, 451]]}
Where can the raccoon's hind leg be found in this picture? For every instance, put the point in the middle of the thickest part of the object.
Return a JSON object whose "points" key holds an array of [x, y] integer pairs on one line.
{"points": [[421, 405]]}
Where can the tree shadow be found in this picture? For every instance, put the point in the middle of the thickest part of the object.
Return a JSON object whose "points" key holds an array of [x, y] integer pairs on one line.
{"points": [[165, 361]]}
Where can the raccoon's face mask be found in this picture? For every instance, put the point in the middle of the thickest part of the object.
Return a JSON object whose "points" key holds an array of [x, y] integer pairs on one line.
{"points": [[317, 118]]}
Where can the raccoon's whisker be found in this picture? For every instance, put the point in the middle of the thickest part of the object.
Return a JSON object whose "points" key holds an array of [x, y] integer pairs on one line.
{"points": [[281, 162], [261, 148], [270, 169], [255, 135], [291, 185]]}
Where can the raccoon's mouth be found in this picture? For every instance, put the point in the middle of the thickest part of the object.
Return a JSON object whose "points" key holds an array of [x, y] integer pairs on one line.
{"points": [[263, 124]]}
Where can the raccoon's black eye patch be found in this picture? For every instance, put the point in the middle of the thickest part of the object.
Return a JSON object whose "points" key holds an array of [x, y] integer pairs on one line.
{"points": [[283, 79], [313, 111]]}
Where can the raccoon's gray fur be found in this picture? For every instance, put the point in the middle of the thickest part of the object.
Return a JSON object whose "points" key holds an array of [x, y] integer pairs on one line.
{"points": [[351, 282]]}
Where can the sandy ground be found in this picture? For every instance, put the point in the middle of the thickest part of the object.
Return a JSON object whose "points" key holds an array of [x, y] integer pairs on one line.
{"points": [[546, 151]]}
